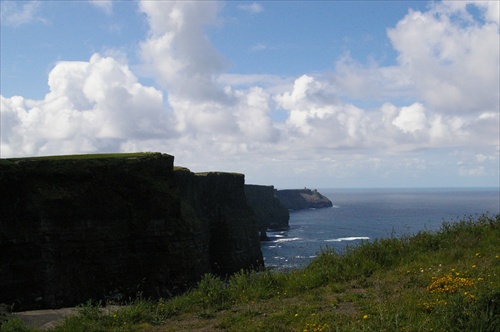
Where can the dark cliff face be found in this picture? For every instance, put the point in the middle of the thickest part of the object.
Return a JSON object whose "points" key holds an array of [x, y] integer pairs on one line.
{"points": [[269, 211], [74, 228], [299, 199], [219, 200]]}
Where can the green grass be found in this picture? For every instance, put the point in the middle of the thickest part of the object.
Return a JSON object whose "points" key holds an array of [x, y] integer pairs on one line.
{"points": [[86, 156], [447, 280]]}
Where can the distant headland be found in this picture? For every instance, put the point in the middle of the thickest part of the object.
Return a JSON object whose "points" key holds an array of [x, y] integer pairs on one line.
{"points": [[299, 199]]}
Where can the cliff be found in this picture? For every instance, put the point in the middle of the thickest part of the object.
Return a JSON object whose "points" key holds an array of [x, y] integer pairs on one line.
{"points": [[218, 199], [298, 199], [74, 228], [269, 212]]}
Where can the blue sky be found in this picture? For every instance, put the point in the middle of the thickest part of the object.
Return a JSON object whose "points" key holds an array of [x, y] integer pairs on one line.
{"points": [[316, 94]]}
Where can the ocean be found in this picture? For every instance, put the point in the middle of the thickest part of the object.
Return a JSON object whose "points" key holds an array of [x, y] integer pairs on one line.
{"points": [[367, 214]]}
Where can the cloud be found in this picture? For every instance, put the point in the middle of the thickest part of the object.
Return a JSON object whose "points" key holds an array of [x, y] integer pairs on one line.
{"points": [[177, 53], [411, 119], [105, 5], [253, 8], [441, 95], [318, 119], [371, 82], [272, 83], [100, 106], [186, 65], [259, 47], [16, 14], [451, 58], [92, 106]]}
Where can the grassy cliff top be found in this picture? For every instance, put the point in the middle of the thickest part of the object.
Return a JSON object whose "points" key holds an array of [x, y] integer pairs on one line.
{"points": [[87, 156], [433, 281], [218, 173], [187, 170], [49, 166]]}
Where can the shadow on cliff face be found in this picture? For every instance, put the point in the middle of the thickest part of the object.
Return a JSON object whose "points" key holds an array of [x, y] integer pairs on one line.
{"points": [[219, 201], [110, 226], [270, 214]]}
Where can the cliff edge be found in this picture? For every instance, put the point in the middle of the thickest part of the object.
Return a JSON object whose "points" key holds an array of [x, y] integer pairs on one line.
{"points": [[269, 211], [218, 199], [74, 228]]}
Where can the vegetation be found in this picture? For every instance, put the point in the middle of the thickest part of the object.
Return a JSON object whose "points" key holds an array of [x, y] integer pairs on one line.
{"points": [[443, 281], [85, 156]]}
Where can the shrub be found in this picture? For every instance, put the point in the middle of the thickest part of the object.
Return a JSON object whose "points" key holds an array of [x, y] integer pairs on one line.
{"points": [[15, 325], [212, 292]]}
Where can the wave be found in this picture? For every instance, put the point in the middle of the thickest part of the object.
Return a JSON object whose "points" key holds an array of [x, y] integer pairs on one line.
{"points": [[304, 257], [276, 235], [353, 238], [287, 239]]}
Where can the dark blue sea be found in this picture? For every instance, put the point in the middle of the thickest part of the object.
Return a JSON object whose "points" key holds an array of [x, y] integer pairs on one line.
{"points": [[366, 214]]}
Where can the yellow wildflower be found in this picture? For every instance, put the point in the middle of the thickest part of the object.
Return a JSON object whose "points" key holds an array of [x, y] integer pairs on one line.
{"points": [[449, 284]]}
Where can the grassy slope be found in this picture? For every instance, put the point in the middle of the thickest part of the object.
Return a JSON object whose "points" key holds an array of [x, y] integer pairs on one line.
{"points": [[443, 281]]}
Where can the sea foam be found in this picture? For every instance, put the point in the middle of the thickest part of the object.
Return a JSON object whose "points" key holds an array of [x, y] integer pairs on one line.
{"points": [[353, 238]]}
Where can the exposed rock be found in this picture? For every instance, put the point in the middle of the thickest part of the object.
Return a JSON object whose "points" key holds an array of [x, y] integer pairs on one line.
{"points": [[270, 213], [108, 226], [299, 199]]}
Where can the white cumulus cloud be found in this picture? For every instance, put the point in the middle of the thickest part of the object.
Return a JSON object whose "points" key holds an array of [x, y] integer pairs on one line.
{"points": [[411, 119], [177, 52], [442, 94], [452, 60], [91, 106]]}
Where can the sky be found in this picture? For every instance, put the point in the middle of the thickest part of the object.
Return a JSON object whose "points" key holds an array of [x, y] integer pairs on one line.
{"points": [[326, 94]]}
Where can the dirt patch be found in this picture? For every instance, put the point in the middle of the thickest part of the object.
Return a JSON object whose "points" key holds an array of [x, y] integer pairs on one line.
{"points": [[347, 308], [50, 318], [45, 319]]}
